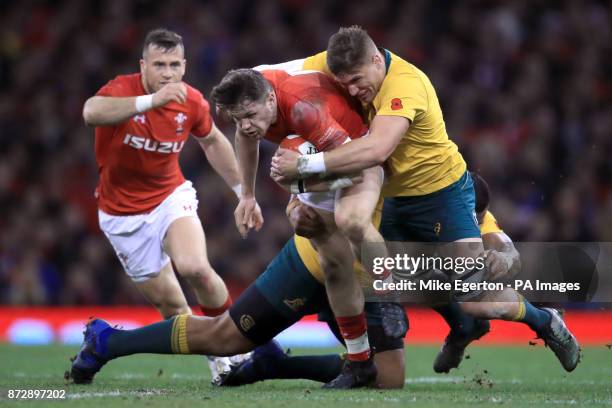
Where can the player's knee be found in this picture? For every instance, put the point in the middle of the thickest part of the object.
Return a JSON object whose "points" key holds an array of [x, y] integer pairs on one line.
{"points": [[352, 225], [194, 268]]}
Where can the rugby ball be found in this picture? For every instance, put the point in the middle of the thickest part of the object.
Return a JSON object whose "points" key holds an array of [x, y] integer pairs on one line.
{"points": [[298, 144]]}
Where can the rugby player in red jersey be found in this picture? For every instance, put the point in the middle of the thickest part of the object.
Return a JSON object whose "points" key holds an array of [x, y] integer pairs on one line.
{"points": [[273, 104], [147, 210]]}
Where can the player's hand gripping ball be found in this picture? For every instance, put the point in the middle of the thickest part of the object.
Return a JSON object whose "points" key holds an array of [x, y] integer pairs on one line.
{"points": [[298, 144]]}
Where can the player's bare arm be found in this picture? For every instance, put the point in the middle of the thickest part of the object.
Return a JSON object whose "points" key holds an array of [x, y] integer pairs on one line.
{"points": [[315, 184], [502, 258], [385, 134], [247, 214], [220, 155], [108, 110]]}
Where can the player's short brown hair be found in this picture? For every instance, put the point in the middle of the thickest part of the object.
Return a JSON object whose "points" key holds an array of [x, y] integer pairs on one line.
{"points": [[162, 38], [348, 49], [238, 86]]}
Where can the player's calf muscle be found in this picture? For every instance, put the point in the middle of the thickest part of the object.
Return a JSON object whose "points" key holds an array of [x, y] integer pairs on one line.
{"points": [[216, 336]]}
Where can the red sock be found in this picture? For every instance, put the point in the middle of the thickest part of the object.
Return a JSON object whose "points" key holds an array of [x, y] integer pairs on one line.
{"points": [[355, 334], [216, 311]]}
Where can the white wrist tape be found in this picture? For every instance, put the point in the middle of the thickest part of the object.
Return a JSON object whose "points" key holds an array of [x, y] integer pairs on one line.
{"points": [[297, 187], [312, 164], [339, 183], [144, 103], [237, 190], [294, 187]]}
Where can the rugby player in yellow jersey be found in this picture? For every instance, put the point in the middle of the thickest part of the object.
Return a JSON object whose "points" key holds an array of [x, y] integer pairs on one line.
{"points": [[429, 195], [503, 259]]}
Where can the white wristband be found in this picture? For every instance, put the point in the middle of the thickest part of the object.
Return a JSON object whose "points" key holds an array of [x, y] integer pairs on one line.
{"points": [[237, 190], [144, 103], [311, 164]]}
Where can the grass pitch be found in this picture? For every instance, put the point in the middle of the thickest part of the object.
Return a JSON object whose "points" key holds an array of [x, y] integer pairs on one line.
{"points": [[492, 376]]}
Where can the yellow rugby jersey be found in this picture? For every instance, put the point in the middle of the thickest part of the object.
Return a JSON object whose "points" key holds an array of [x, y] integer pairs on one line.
{"points": [[309, 255], [425, 160], [489, 224]]}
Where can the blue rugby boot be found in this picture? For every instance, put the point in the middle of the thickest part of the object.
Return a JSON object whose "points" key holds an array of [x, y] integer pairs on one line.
{"points": [[93, 354]]}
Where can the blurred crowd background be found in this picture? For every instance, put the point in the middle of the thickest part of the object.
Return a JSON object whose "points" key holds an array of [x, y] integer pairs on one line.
{"points": [[525, 87]]}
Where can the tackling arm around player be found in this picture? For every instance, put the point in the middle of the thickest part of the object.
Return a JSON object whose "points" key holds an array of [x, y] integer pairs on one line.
{"points": [[429, 195]]}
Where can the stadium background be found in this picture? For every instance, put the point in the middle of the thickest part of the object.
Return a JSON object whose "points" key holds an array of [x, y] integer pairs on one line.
{"points": [[525, 87]]}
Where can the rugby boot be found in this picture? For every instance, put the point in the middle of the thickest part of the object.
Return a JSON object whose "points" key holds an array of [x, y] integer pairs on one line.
{"points": [[219, 368], [560, 340], [355, 374], [453, 349], [92, 355]]}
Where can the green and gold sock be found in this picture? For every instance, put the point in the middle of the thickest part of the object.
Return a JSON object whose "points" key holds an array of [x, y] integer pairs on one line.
{"points": [[532, 316], [165, 337]]}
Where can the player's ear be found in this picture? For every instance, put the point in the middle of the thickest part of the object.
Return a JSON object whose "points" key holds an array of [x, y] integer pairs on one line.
{"points": [[376, 59], [272, 98], [142, 66]]}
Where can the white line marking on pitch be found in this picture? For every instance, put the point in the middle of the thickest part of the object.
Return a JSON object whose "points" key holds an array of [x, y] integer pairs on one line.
{"points": [[114, 394]]}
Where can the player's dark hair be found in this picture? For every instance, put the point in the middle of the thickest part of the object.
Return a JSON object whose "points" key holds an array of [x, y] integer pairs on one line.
{"points": [[162, 38], [240, 85], [482, 192], [348, 49]]}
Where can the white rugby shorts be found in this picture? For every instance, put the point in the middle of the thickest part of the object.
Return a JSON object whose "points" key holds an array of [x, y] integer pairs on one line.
{"points": [[324, 201], [138, 239]]}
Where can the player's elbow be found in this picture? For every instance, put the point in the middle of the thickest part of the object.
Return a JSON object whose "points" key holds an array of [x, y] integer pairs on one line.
{"points": [[378, 154], [92, 115], [89, 113]]}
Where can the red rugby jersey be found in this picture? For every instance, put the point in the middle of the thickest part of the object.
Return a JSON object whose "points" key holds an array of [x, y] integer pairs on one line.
{"points": [[314, 106], [138, 159]]}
